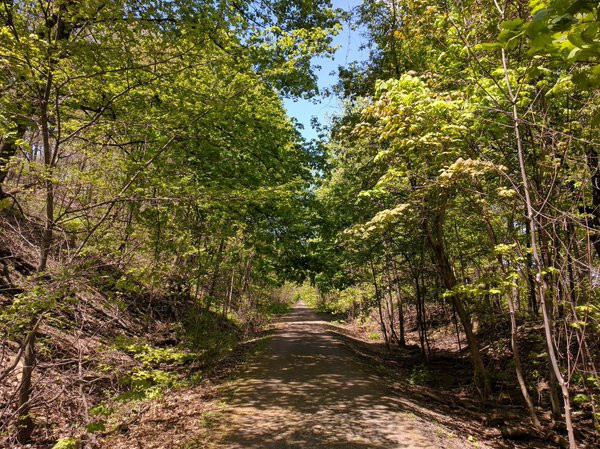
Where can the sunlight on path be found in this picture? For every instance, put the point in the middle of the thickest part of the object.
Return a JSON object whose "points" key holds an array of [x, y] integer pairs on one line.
{"points": [[307, 390]]}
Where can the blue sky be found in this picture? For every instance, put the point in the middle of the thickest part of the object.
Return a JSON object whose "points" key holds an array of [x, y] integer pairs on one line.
{"points": [[323, 107]]}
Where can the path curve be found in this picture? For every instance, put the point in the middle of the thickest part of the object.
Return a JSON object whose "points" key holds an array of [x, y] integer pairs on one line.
{"points": [[308, 390]]}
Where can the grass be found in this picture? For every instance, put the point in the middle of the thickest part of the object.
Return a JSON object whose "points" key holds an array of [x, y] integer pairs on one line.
{"points": [[421, 376], [209, 419], [374, 336]]}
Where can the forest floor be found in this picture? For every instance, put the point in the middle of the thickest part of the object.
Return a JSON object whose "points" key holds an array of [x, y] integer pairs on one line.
{"points": [[306, 388]]}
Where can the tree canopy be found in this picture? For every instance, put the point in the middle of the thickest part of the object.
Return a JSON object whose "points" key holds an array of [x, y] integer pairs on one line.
{"points": [[459, 183]]}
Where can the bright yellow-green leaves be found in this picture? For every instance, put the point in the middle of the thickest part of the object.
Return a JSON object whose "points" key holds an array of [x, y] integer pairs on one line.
{"points": [[166, 116], [570, 30]]}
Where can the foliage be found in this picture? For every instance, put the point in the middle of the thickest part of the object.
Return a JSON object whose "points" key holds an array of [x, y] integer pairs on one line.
{"points": [[146, 149], [67, 443], [464, 140], [420, 376], [149, 355]]}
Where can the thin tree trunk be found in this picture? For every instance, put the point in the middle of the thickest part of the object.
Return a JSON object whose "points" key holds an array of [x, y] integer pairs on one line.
{"points": [[399, 301], [227, 302], [128, 229], [245, 279], [533, 306], [422, 296], [390, 307], [511, 298], [434, 235], [48, 183], [25, 421], [8, 148], [538, 262], [456, 329], [593, 162], [378, 299], [215, 274], [421, 318], [517, 359]]}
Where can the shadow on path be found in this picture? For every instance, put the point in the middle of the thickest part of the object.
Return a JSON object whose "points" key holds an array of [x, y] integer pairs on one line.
{"points": [[307, 390]]}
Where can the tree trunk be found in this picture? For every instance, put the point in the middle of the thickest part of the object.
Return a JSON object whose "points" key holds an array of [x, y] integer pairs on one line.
{"points": [[540, 283], [26, 424], [57, 31], [511, 300], [8, 148], [593, 162], [24, 420], [421, 318], [378, 299], [533, 306], [390, 307], [399, 301], [215, 275], [435, 238], [517, 358], [48, 183], [227, 302]]}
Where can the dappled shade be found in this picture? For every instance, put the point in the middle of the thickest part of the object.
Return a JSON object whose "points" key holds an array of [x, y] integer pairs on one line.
{"points": [[308, 390]]}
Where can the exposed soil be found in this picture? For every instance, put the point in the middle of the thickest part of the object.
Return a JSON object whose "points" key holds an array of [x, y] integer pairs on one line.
{"points": [[310, 387], [309, 390]]}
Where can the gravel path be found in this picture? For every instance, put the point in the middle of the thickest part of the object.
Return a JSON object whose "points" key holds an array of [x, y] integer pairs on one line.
{"points": [[308, 390]]}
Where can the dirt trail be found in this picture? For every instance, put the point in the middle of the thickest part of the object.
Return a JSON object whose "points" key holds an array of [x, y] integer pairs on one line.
{"points": [[308, 390]]}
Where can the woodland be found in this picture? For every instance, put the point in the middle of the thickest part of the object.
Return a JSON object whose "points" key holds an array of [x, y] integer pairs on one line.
{"points": [[158, 206]]}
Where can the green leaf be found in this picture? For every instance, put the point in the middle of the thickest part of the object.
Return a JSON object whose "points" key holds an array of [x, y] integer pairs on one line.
{"points": [[512, 25]]}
